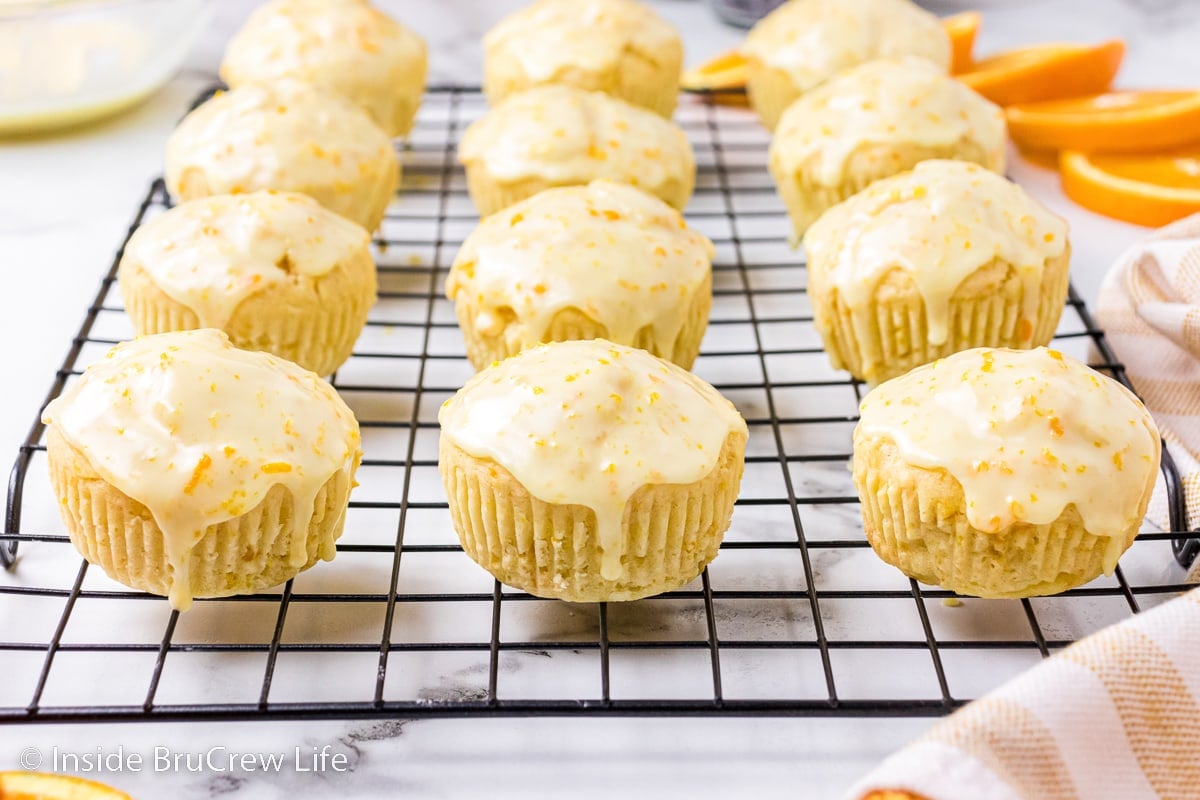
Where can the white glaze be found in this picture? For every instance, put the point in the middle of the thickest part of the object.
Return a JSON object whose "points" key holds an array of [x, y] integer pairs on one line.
{"points": [[590, 423], [939, 223], [285, 135], [619, 255], [1026, 433], [212, 253], [814, 40], [347, 46], [568, 135], [199, 431], [883, 102], [552, 36]]}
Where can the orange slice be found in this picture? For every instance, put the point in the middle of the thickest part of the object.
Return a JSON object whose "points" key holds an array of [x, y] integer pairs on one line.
{"points": [[1150, 189], [1116, 122], [1046, 72], [962, 29], [726, 71], [724, 75], [1046, 159], [40, 786]]}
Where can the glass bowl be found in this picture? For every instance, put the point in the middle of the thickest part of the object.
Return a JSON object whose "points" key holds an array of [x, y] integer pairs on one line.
{"points": [[63, 62]]}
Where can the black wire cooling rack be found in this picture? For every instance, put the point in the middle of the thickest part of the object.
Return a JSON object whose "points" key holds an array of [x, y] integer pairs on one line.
{"points": [[795, 617]]}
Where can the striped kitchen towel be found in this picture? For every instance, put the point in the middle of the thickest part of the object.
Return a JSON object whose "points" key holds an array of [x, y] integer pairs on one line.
{"points": [[1115, 715], [1149, 307]]}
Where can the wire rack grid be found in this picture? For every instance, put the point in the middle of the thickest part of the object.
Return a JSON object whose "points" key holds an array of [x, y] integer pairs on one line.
{"points": [[795, 617]]}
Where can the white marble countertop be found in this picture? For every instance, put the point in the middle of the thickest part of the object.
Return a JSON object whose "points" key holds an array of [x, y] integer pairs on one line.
{"points": [[65, 201]]}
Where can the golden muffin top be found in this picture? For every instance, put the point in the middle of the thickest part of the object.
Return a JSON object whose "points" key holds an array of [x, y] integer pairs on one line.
{"points": [[939, 223], [211, 253], [621, 256], [199, 431], [1026, 432], [883, 103], [550, 37], [348, 47], [282, 135], [814, 40], [590, 423], [567, 135]]}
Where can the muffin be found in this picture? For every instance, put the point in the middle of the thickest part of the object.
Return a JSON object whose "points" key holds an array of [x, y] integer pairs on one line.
{"points": [[563, 136], [1004, 473], [589, 471], [186, 467], [288, 136], [620, 47], [804, 43], [871, 122], [347, 47], [274, 270], [601, 261], [929, 262]]}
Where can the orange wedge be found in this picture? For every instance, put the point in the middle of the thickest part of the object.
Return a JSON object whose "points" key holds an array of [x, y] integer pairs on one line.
{"points": [[1116, 122], [962, 29], [1150, 189], [1046, 72], [40, 786]]}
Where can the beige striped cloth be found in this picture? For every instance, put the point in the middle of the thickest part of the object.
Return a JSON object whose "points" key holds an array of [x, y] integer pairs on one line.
{"points": [[1149, 307], [1116, 715]]}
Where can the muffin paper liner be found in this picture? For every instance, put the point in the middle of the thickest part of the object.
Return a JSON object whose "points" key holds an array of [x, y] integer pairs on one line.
{"points": [[318, 336], [770, 91], [482, 349], [925, 533], [245, 554], [886, 339], [491, 195], [550, 550]]}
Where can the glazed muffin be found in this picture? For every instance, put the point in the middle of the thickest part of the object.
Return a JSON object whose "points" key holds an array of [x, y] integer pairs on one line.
{"points": [[871, 122], [1004, 473], [274, 270], [923, 264], [347, 47], [562, 136], [288, 136], [804, 43], [187, 467], [620, 47], [601, 261], [589, 471]]}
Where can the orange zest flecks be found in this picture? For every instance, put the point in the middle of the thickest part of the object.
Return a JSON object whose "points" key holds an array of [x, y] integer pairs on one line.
{"points": [[197, 474], [276, 467]]}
